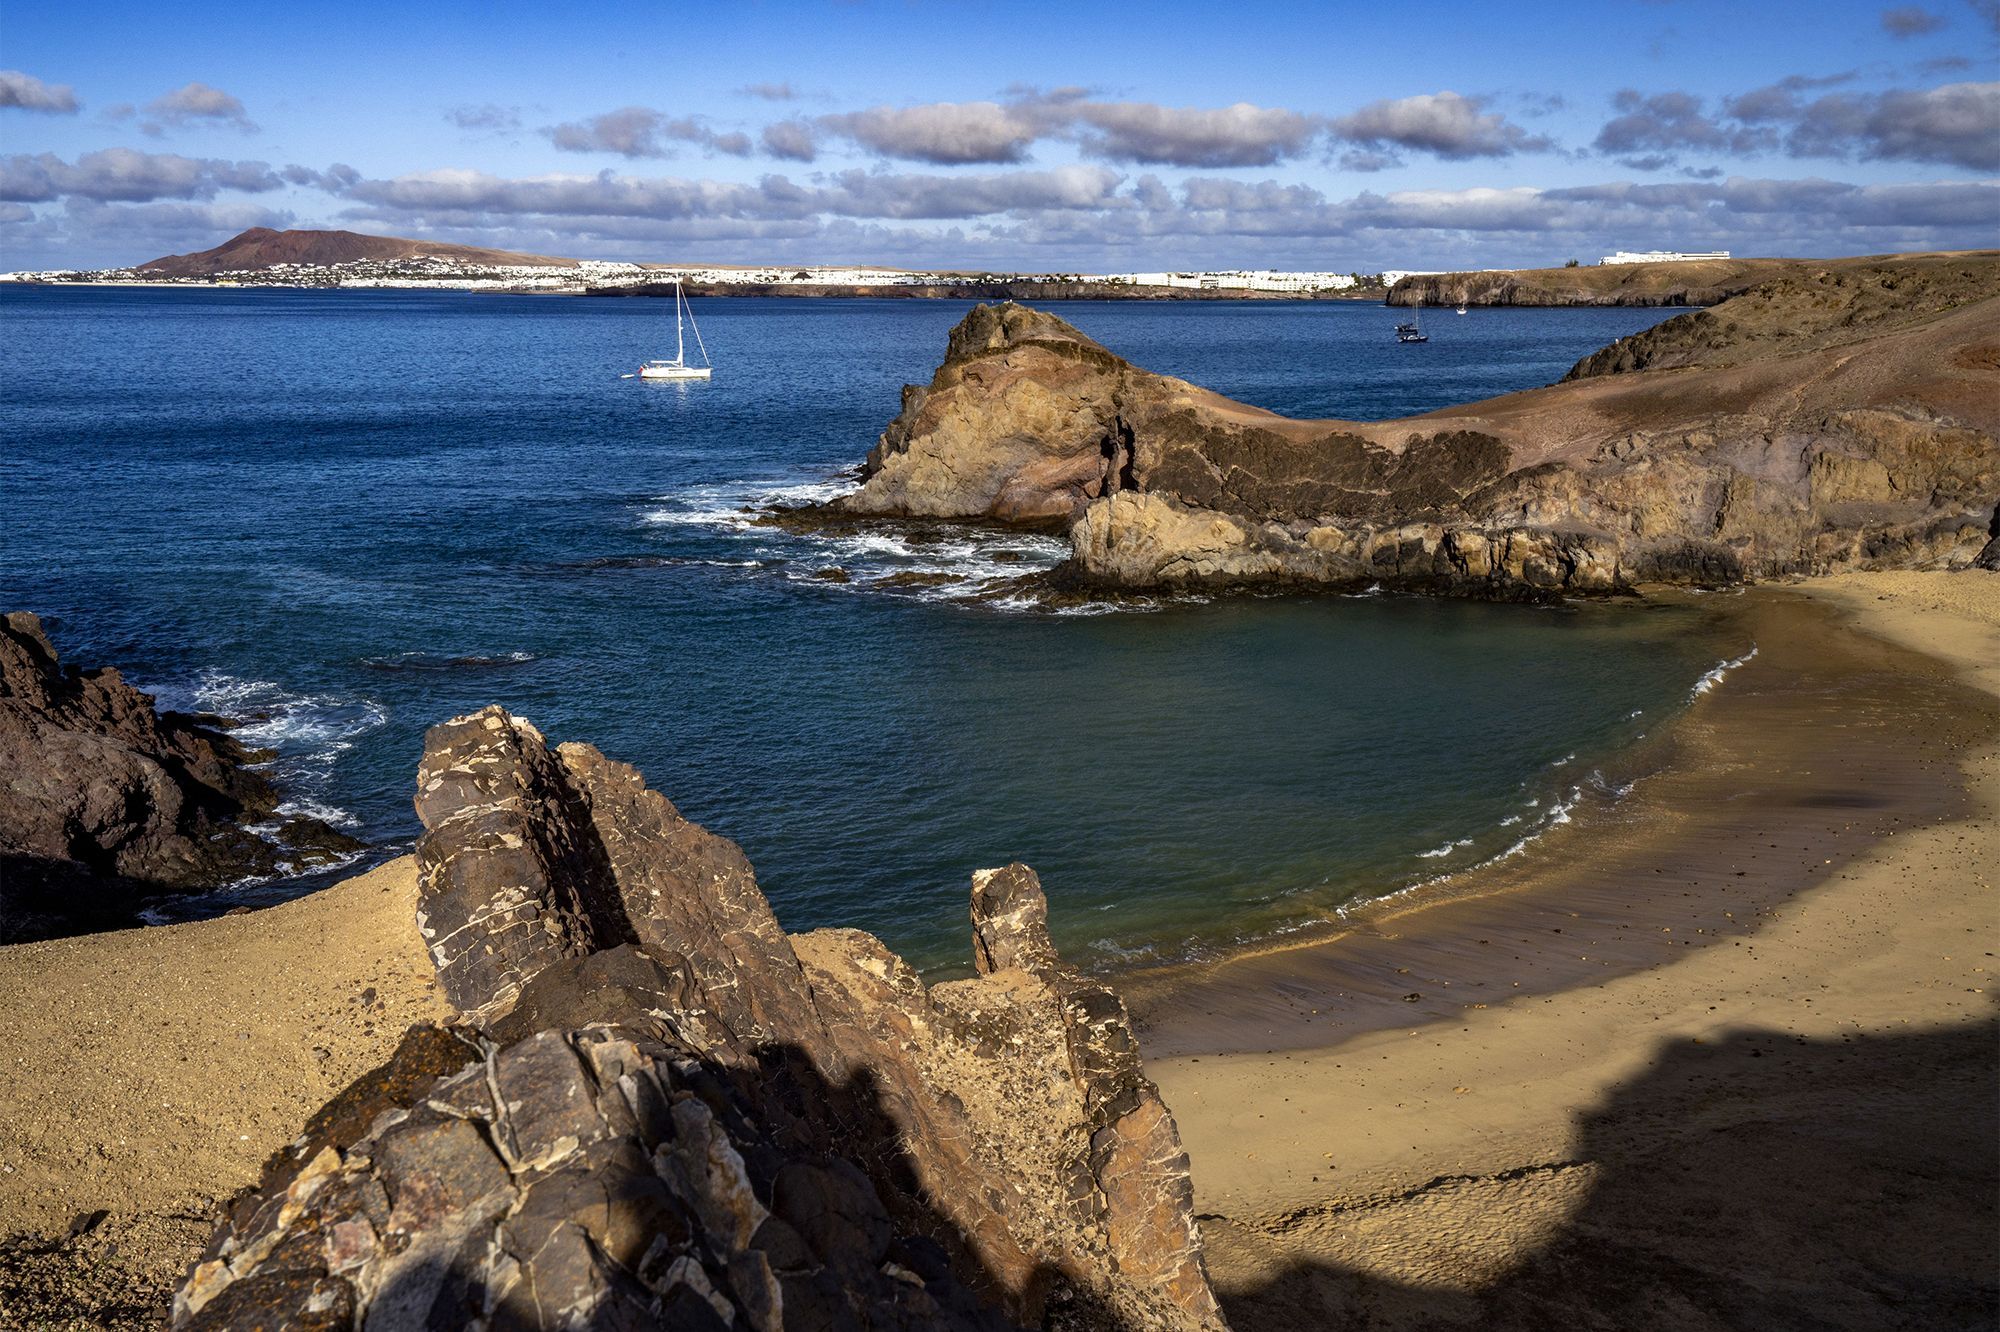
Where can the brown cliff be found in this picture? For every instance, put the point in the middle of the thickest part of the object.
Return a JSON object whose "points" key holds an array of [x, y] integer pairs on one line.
{"points": [[105, 801], [1867, 438], [658, 1108]]}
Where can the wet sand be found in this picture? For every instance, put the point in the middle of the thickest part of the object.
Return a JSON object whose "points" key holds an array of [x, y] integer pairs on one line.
{"points": [[1760, 1087]]}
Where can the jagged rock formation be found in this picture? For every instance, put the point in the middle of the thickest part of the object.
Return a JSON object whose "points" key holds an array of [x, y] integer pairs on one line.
{"points": [[661, 1110], [1869, 437], [104, 801]]}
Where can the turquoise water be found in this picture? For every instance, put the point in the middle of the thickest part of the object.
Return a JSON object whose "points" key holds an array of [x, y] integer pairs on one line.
{"points": [[348, 515]]}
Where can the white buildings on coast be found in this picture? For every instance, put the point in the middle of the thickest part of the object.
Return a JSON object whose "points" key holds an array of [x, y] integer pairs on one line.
{"points": [[439, 273], [1256, 279], [1659, 256]]}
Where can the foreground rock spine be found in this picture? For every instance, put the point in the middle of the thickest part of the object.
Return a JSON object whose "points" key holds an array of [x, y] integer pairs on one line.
{"points": [[659, 1106]]}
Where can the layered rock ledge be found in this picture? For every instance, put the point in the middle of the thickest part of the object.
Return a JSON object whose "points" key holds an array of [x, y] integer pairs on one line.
{"points": [[105, 801], [659, 1109], [1865, 435]]}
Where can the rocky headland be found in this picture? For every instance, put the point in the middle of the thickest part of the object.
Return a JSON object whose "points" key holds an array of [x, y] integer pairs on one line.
{"points": [[107, 801], [1847, 418], [656, 1108]]}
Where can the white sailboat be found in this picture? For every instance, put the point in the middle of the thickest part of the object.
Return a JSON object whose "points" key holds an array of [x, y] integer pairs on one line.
{"points": [[678, 368]]}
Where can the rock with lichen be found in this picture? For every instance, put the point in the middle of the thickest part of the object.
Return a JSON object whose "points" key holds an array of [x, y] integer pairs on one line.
{"points": [[658, 1107]]}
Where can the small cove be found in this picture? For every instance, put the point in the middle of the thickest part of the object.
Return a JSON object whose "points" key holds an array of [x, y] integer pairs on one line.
{"points": [[344, 516]]}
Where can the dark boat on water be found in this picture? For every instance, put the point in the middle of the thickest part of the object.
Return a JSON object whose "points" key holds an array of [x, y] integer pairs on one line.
{"points": [[1412, 331]]}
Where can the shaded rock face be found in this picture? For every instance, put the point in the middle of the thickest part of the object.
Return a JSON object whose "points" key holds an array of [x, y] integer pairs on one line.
{"points": [[1863, 435], [104, 800], [660, 1108]]}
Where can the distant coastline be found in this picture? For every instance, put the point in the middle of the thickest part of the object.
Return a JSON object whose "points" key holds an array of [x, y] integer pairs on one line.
{"points": [[261, 257], [558, 282]]}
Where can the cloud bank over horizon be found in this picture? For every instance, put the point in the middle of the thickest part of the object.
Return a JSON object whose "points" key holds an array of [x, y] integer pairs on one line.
{"points": [[1880, 155]]}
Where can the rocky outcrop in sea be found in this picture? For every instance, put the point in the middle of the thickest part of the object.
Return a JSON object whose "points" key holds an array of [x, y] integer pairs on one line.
{"points": [[1866, 436], [659, 1109], [105, 801]]}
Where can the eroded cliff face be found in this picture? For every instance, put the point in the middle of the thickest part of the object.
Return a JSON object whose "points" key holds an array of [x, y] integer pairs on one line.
{"points": [[1029, 419], [659, 1109], [1866, 437], [104, 800]]}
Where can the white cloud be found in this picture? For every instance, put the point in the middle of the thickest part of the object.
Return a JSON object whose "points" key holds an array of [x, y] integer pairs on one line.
{"points": [[25, 92], [193, 103]]}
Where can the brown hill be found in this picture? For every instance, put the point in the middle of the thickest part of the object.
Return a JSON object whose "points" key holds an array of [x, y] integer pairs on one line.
{"points": [[1685, 282], [261, 247], [1812, 307]]}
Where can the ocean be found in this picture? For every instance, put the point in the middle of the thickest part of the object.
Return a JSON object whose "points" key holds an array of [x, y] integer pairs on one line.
{"points": [[346, 515]]}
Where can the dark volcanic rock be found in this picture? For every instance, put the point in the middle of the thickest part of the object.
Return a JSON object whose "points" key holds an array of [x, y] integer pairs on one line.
{"points": [[105, 800], [661, 1109], [1846, 418], [600, 1178]]}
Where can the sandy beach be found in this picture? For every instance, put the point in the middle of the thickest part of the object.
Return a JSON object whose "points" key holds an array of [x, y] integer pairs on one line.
{"points": [[1790, 1104], [149, 1073], [1795, 1127]]}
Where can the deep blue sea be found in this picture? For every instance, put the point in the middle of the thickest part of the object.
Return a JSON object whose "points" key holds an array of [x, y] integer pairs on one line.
{"points": [[347, 515]]}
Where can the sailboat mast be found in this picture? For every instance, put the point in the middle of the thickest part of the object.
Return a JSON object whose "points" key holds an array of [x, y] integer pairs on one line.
{"points": [[680, 349]]}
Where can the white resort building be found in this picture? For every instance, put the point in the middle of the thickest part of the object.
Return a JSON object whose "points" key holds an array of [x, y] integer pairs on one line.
{"points": [[1658, 256], [1262, 279]]}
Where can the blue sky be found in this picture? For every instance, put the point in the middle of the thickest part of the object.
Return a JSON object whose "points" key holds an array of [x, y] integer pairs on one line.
{"points": [[1044, 137]]}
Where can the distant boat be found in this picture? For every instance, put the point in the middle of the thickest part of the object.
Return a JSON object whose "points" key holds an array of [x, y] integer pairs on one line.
{"points": [[1460, 309], [678, 368], [1414, 330]]}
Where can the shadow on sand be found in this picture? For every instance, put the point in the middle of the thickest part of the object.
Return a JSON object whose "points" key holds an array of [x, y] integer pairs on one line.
{"points": [[1764, 1181]]}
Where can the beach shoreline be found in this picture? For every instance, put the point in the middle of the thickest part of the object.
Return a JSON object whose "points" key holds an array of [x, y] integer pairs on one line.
{"points": [[1749, 797], [152, 1071], [1608, 1142]]}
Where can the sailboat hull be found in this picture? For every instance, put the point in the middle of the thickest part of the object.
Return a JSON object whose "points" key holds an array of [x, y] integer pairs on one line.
{"points": [[678, 368]]}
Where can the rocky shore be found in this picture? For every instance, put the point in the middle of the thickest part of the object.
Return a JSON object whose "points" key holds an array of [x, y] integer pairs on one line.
{"points": [[653, 1104], [1810, 425], [107, 801]]}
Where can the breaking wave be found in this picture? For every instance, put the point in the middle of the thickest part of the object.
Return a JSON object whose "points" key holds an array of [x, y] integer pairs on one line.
{"points": [[993, 567], [1713, 676], [307, 733]]}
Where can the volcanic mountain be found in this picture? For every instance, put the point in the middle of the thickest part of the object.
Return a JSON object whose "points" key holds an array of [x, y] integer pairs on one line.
{"points": [[261, 247]]}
